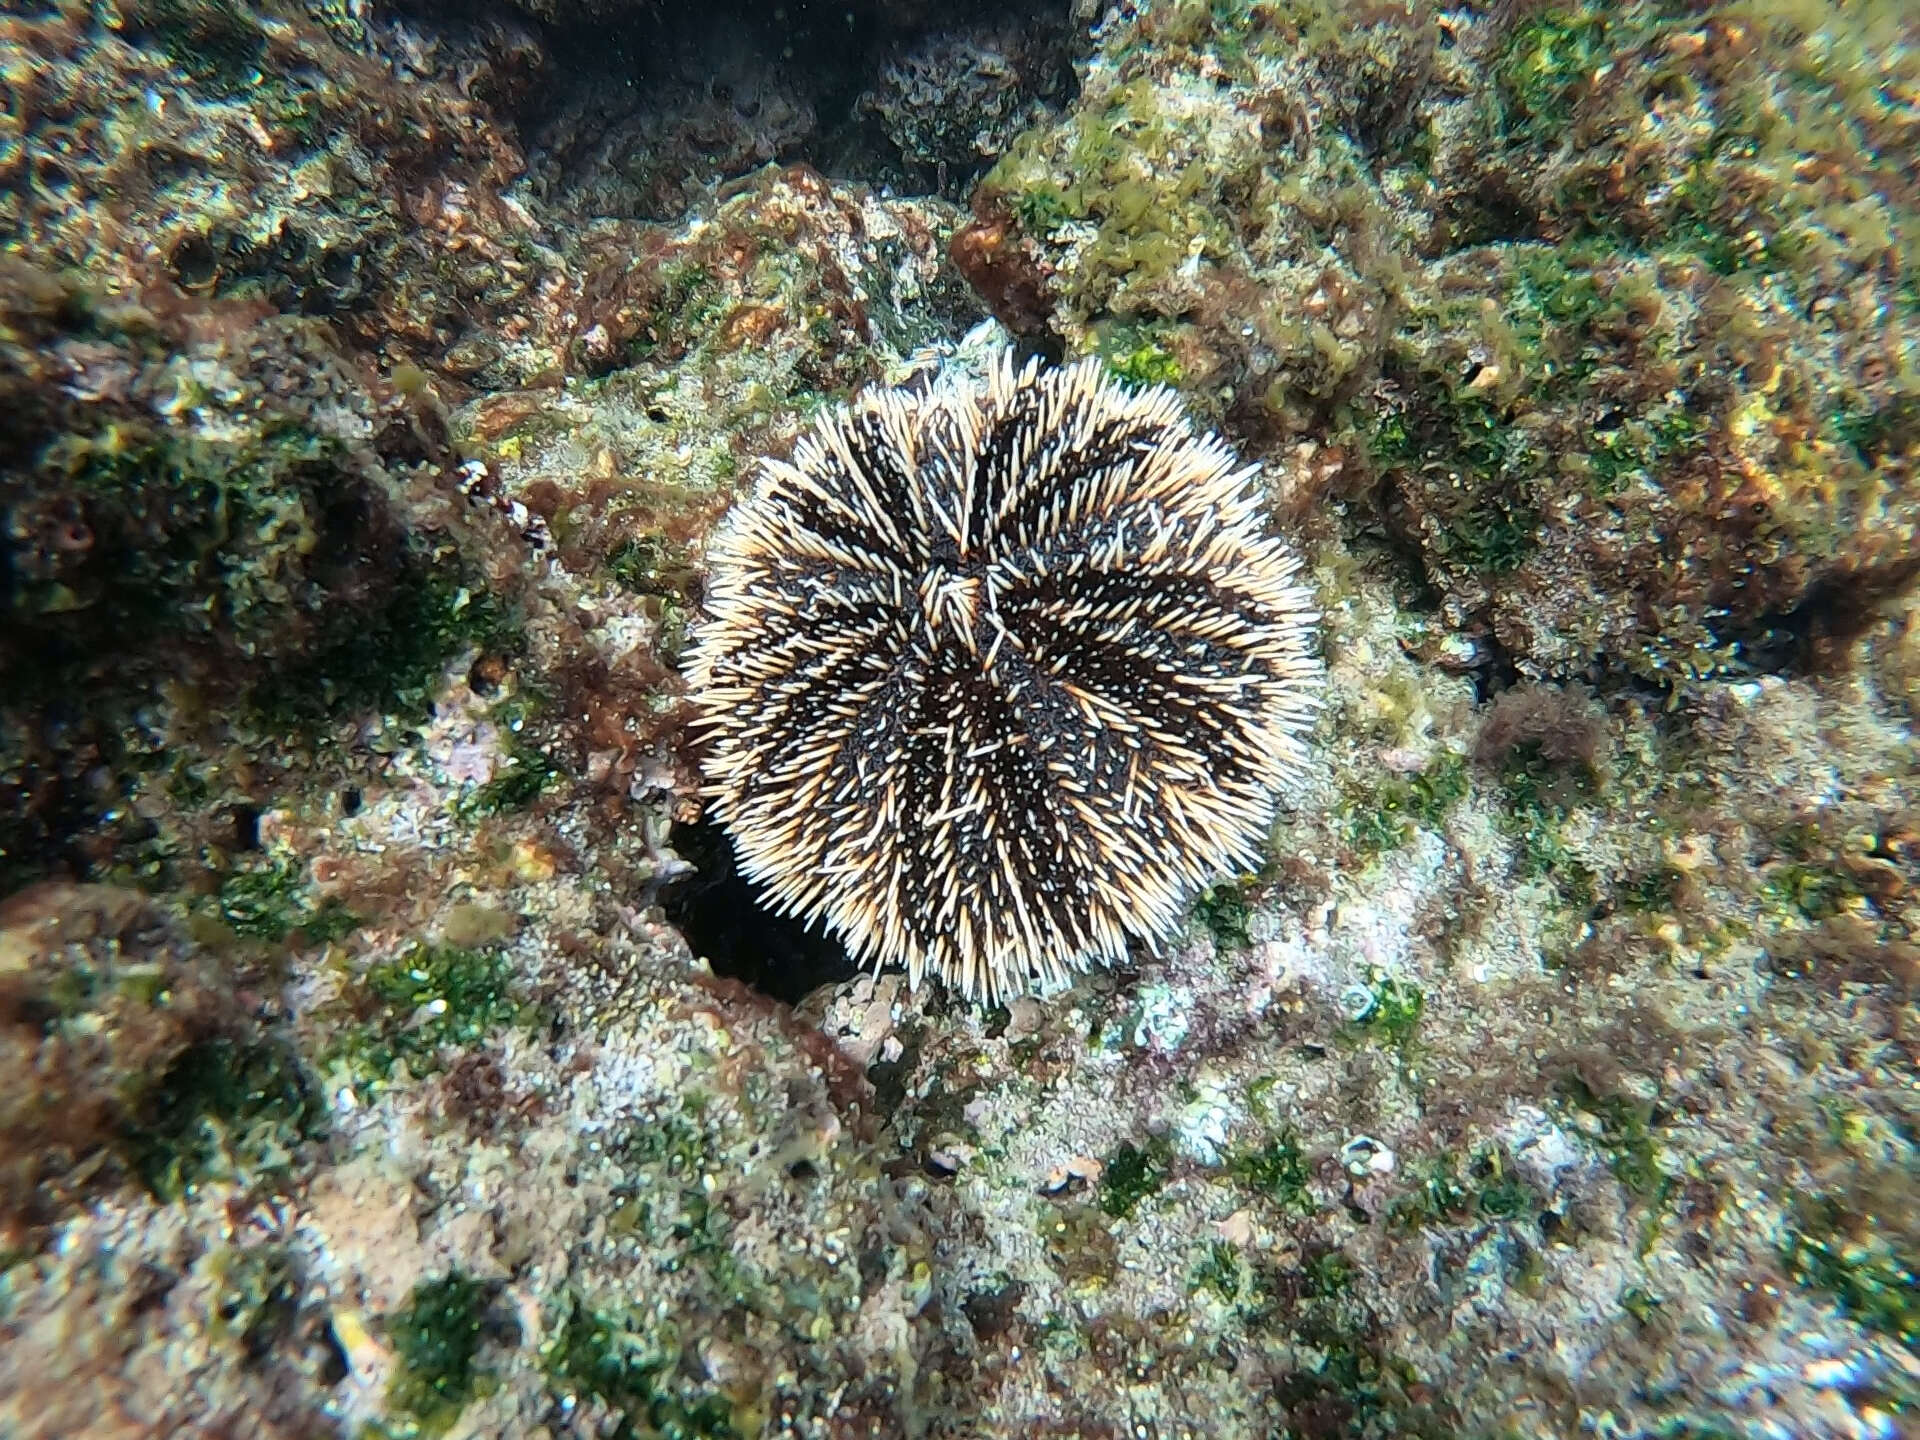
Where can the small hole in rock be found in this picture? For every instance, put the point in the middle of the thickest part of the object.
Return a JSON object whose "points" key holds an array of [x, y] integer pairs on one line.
{"points": [[195, 262], [721, 913], [332, 1366], [246, 826]]}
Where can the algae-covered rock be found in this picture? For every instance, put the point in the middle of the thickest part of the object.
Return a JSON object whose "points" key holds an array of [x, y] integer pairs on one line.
{"points": [[387, 1049], [1604, 312], [261, 153], [129, 1056], [205, 506], [952, 102], [218, 488]]}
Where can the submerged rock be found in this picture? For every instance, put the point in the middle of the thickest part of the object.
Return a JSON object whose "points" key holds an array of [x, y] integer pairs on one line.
{"points": [[373, 382]]}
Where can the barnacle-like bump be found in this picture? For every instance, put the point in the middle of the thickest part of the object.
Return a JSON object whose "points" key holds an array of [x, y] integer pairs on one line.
{"points": [[996, 676]]}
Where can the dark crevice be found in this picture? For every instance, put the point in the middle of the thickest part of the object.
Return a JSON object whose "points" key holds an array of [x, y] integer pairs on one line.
{"points": [[1815, 636], [722, 915], [629, 111]]}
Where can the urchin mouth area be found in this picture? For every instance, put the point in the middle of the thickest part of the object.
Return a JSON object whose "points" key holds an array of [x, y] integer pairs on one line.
{"points": [[954, 603]]}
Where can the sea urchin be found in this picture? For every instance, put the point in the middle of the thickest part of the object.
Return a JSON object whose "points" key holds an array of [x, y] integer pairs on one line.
{"points": [[996, 676]]}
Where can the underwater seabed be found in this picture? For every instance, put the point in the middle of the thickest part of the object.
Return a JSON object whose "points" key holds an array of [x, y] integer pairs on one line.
{"points": [[388, 1044]]}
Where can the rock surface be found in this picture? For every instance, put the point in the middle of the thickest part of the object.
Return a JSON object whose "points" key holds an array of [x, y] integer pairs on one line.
{"points": [[388, 1049]]}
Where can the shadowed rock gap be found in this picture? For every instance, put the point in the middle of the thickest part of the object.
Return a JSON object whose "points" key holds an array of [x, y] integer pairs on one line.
{"points": [[628, 111], [722, 915]]}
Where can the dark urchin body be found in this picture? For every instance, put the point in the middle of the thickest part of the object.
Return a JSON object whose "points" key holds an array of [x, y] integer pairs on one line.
{"points": [[998, 677]]}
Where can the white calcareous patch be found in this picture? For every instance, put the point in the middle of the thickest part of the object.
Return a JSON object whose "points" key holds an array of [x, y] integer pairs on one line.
{"points": [[997, 677]]}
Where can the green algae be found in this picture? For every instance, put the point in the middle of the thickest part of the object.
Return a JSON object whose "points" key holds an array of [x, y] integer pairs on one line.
{"points": [[215, 44], [1878, 433], [1394, 1006], [1641, 1305], [1652, 891], [688, 302], [1643, 449], [1809, 881], [669, 1142], [391, 661], [1343, 1380], [273, 900], [525, 774], [295, 110], [1222, 1272], [1224, 912], [436, 1339], [652, 565], [1544, 855], [1040, 208], [1133, 1173], [1812, 892], [194, 538], [1326, 1274], [1384, 817], [1490, 510], [1543, 68], [1135, 355], [256, 1298], [1873, 1281], [1130, 178], [1277, 1172], [599, 1353], [1622, 1127], [423, 1001], [1539, 794], [1356, 1383], [1448, 1190], [224, 1110], [666, 1201]]}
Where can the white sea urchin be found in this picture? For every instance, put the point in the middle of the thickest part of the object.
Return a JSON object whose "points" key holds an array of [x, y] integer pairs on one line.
{"points": [[996, 676]]}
